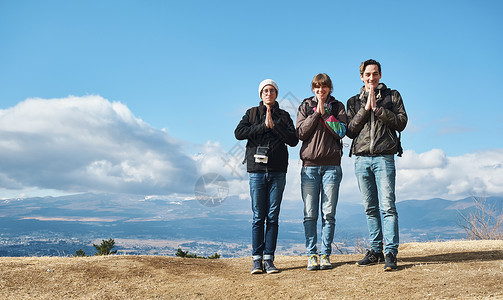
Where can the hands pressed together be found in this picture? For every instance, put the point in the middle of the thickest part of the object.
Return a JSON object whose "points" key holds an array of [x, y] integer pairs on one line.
{"points": [[371, 100], [268, 118], [321, 106]]}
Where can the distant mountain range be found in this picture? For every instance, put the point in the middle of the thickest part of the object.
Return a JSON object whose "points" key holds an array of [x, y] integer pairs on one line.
{"points": [[62, 225]]}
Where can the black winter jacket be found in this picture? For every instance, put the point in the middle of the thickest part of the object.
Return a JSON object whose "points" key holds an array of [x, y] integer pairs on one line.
{"points": [[374, 132], [257, 134]]}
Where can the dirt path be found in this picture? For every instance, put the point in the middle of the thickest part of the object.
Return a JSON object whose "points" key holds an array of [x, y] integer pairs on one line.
{"points": [[462, 269]]}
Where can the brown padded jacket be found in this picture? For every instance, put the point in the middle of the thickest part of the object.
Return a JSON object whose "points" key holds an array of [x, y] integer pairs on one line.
{"points": [[321, 133]]}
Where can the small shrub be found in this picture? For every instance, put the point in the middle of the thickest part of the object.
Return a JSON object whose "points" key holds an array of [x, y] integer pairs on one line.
{"points": [[80, 253], [484, 222], [106, 247], [185, 254], [361, 245]]}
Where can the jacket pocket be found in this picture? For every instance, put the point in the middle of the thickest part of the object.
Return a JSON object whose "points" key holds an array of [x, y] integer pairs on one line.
{"points": [[387, 142]]}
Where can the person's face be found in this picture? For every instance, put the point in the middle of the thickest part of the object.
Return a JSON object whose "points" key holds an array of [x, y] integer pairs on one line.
{"points": [[269, 95], [321, 92], [371, 77]]}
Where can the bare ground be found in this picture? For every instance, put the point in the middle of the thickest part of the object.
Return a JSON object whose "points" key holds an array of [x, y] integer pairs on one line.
{"points": [[444, 270]]}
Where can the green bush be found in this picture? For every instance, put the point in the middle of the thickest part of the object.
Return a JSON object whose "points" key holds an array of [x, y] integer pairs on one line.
{"points": [[80, 253], [105, 248], [185, 254]]}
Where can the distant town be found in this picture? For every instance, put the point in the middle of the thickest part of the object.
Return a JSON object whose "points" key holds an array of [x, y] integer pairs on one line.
{"points": [[60, 226]]}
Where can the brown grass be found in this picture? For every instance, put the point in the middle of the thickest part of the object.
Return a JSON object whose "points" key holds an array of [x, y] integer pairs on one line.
{"points": [[446, 270]]}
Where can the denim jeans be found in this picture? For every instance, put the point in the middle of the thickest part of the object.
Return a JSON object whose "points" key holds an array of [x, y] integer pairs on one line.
{"points": [[266, 191], [376, 181], [324, 180]]}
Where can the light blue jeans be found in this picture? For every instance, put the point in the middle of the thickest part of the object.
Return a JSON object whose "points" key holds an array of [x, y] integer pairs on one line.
{"points": [[316, 181], [376, 181], [266, 191]]}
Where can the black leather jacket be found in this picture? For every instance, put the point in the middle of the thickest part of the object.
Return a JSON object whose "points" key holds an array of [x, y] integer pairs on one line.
{"points": [[375, 132]]}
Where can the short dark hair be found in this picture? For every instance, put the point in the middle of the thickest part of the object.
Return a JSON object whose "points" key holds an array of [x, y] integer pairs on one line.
{"points": [[321, 79], [367, 63]]}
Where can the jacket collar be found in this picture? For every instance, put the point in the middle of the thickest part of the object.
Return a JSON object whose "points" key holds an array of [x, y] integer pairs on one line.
{"points": [[364, 94], [263, 108]]}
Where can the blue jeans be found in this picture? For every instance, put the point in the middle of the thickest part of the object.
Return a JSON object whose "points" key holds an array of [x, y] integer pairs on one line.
{"points": [[266, 191], [324, 180], [376, 181]]}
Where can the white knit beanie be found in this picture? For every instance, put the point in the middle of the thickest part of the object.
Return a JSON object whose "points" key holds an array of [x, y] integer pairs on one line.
{"points": [[267, 82]]}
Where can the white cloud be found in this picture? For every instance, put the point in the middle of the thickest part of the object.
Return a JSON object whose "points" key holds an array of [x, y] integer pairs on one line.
{"points": [[88, 144], [432, 174], [212, 158], [435, 158]]}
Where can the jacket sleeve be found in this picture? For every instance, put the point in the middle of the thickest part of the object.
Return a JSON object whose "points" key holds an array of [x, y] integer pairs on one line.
{"points": [[336, 125], [395, 119], [356, 119], [246, 130], [284, 129], [306, 124]]}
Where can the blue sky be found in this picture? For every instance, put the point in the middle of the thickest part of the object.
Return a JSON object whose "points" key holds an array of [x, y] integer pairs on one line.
{"points": [[177, 77]]}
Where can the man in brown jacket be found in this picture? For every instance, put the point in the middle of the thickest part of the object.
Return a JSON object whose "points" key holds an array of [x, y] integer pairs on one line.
{"points": [[321, 124]]}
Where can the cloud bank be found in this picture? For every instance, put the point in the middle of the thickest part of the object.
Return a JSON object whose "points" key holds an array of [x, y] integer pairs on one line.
{"points": [[89, 144], [433, 174]]}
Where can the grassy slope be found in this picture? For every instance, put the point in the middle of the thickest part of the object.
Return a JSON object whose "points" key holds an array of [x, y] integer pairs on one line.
{"points": [[455, 269]]}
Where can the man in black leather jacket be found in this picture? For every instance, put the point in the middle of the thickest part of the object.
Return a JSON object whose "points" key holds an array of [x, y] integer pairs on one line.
{"points": [[375, 116]]}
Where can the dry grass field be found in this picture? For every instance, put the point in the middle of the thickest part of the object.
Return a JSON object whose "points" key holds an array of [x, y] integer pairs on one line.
{"points": [[443, 270]]}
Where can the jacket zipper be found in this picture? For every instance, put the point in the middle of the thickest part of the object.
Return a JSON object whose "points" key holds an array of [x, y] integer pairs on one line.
{"points": [[372, 132]]}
